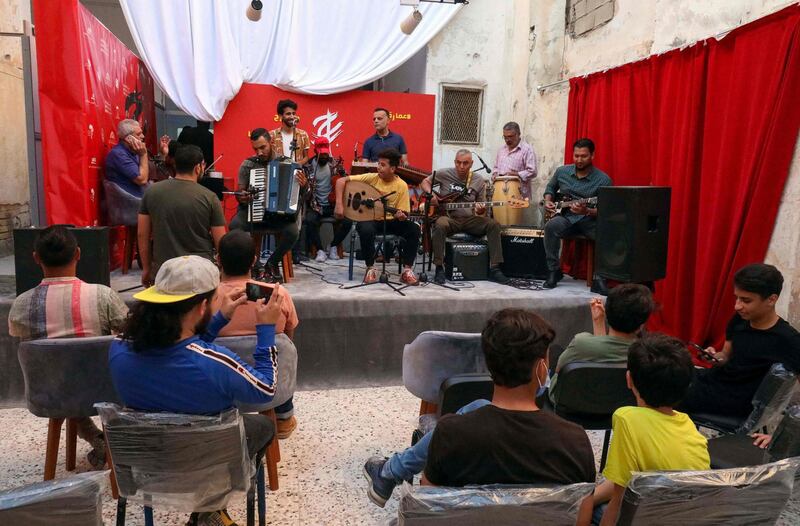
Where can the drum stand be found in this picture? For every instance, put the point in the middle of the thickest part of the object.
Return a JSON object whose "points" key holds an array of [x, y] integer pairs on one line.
{"points": [[384, 277]]}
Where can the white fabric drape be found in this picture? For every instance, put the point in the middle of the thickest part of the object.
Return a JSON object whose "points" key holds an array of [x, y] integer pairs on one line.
{"points": [[201, 51]]}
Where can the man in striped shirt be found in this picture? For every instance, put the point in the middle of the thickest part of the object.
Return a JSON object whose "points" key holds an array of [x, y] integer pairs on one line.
{"points": [[516, 158], [63, 306]]}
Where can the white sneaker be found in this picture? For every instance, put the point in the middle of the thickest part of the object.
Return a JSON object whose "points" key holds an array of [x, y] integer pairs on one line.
{"points": [[321, 256], [334, 255]]}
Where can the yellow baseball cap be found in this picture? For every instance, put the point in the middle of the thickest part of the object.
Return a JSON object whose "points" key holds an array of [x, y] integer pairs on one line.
{"points": [[181, 278]]}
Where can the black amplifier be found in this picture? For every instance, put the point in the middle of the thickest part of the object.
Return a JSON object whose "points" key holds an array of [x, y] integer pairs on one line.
{"points": [[523, 253], [466, 261]]}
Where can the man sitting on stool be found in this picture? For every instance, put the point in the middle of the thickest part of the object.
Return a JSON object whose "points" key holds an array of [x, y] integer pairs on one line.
{"points": [[460, 180], [397, 223], [579, 181]]}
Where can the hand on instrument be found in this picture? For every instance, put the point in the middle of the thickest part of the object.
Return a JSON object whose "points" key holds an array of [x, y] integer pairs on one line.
{"points": [[400, 215], [301, 178], [434, 200], [269, 312], [579, 208], [513, 173], [244, 198], [163, 145], [230, 301], [338, 210], [598, 309], [480, 209], [761, 440], [549, 205]]}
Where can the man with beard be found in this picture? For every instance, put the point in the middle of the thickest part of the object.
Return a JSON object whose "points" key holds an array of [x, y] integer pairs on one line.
{"points": [[575, 181], [289, 140], [321, 171], [166, 360]]}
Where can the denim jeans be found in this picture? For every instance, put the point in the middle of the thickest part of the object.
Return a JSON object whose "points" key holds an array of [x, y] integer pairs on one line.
{"points": [[285, 410], [411, 461]]}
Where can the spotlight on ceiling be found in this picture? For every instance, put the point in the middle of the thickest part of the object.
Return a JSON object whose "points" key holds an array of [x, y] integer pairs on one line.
{"points": [[411, 22], [254, 10]]}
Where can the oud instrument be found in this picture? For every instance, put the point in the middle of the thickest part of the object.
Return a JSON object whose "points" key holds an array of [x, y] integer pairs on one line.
{"points": [[409, 174]]}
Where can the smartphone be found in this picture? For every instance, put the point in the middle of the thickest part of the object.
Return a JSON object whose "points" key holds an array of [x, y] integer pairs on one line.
{"points": [[256, 292], [703, 353]]}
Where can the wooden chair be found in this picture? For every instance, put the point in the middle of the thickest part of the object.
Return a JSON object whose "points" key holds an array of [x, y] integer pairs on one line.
{"points": [[588, 243]]}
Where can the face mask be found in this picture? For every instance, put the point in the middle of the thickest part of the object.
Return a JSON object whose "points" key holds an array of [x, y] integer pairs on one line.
{"points": [[543, 388]]}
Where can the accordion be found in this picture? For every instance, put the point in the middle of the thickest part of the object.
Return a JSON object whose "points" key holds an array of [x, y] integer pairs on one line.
{"points": [[275, 189]]}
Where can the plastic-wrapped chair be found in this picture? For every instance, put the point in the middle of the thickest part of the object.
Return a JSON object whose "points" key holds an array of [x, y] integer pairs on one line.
{"points": [[287, 382], [729, 497], [73, 501], [181, 462], [729, 451], [769, 402], [64, 378], [123, 210], [435, 356], [497, 504]]}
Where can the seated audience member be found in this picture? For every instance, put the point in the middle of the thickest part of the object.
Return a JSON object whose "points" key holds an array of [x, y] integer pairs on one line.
{"points": [[652, 436], [236, 257], [755, 339], [166, 360], [127, 164], [490, 443], [627, 308], [95, 310]]}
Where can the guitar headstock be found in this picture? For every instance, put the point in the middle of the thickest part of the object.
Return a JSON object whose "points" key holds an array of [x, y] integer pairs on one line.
{"points": [[518, 203]]}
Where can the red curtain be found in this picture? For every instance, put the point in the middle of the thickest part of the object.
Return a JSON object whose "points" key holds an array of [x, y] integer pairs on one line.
{"points": [[718, 123]]}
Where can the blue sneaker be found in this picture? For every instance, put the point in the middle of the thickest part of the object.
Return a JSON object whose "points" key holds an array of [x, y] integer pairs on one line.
{"points": [[380, 488]]}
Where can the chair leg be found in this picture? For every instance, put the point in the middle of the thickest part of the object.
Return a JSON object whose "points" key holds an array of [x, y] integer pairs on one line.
{"points": [[340, 250], [113, 477], [51, 453], [251, 506], [604, 455], [72, 443], [261, 495], [352, 256], [288, 270], [589, 262], [130, 243], [121, 510], [426, 408], [273, 453], [148, 516]]}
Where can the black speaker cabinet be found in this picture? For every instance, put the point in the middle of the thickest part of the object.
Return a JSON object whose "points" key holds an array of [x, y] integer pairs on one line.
{"points": [[466, 261], [632, 233], [523, 253], [93, 267]]}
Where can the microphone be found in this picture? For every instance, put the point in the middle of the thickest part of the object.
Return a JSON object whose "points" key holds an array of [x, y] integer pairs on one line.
{"points": [[488, 171]]}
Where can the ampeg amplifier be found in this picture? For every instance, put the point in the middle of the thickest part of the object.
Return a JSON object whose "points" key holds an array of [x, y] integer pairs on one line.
{"points": [[466, 261], [523, 253]]}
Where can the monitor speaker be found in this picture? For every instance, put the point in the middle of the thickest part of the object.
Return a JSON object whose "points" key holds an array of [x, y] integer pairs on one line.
{"points": [[632, 233], [93, 267]]}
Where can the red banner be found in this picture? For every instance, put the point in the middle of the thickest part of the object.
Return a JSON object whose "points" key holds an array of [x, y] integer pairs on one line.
{"points": [[345, 119]]}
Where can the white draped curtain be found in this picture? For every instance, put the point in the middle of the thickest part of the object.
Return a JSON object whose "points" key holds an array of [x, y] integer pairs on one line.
{"points": [[201, 51]]}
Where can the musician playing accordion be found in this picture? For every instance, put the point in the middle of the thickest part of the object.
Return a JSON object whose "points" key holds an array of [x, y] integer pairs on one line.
{"points": [[286, 227]]}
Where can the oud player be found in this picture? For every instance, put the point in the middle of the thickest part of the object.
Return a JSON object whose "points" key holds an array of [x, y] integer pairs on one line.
{"points": [[397, 221], [460, 185]]}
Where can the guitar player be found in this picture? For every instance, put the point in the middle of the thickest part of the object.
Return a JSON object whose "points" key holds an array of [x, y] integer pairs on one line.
{"points": [[458, 184], [385, 181], [579, 180]]}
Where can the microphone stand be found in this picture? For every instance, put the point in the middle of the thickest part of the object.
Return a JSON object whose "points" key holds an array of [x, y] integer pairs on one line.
{"points": [[384, 277]]}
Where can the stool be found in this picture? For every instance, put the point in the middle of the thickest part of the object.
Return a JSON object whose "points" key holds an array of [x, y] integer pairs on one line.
{"points": [[130, 242], [380, 243], [589, 244]]}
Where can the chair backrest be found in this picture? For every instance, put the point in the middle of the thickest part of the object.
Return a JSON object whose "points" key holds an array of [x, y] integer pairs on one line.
{"points": [[499, 504], [72, 501], [737, 496], [771, 399], [458, 391], [122, 207], [182, 462], [595, 389], [435, 356], [65, 377], [244, 346], [786, 439]]}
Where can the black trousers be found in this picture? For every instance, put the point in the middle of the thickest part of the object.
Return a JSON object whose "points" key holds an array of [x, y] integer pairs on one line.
{"points": [[287, 230], [312, 222], [408, 230], [259, 431], [558, 228]]}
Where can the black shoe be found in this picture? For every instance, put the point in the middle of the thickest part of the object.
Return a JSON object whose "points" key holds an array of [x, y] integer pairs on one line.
{"points": [[553, 277], [380, 488], [258, 272], [496, 275], [599, 286], [273, 274], [439, 278]]}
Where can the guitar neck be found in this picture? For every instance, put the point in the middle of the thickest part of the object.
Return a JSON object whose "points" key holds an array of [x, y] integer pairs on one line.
{"points": [[487, 204]]}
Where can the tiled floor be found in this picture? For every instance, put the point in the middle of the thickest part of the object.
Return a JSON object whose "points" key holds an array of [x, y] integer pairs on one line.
{"points": [[320, 473]]}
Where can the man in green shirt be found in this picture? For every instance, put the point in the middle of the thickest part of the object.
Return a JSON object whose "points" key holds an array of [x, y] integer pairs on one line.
{"points": [[627, 308], [183, 217]]}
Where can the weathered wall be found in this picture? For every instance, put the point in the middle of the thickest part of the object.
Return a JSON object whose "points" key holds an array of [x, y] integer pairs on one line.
{"points": [[13, 140]]}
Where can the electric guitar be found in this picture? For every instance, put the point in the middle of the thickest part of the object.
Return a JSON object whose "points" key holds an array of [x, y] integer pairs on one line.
{"points": [[443, 207], [566, 202]]}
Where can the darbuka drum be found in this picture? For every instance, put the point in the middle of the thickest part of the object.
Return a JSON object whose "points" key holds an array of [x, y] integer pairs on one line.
{"points": [[505, 188]]}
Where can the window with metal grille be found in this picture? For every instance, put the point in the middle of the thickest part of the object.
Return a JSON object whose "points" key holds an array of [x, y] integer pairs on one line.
{"points": [[460, 115]]}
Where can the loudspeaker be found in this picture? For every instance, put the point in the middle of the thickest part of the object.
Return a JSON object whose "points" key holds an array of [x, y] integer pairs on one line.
{"points": [[523, 253], [466, 261], [632, 232], [93, 267]]}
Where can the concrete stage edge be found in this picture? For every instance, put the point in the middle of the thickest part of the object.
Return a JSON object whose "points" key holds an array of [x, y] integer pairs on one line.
{"points": [[355, 338]]}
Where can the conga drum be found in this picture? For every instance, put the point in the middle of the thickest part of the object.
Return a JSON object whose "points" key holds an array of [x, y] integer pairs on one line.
{"points": [[507, 187]]}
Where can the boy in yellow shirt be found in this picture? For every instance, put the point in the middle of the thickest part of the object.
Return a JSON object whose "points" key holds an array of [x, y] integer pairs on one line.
{"points": [[397, 223], [652, 436]]}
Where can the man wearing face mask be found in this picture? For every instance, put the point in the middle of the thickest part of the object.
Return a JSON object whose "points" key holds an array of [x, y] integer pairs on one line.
{"points": [[183, 217], [490, 442]]}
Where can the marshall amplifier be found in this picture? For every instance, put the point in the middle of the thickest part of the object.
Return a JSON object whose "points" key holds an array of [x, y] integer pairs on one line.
{"points": [[523, 253], [466, 261]]}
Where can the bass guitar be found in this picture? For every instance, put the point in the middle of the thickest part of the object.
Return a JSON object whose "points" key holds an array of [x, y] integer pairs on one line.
{"points": [[566, 202]]}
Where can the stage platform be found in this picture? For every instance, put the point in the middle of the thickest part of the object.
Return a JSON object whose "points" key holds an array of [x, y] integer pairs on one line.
{"points": [[355, 338]]}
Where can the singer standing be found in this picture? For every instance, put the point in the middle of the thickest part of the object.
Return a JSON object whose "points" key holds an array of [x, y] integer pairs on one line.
{"points": [[384, 138], [289, 140], [460, 185]]}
